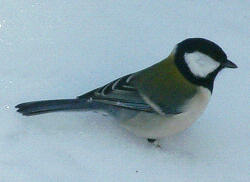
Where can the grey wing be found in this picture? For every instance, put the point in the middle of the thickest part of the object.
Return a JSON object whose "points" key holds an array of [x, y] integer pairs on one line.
{"points": [[119, 93]]}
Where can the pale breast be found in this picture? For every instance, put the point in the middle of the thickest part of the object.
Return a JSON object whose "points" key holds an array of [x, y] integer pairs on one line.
{"points": [[151, 125]]}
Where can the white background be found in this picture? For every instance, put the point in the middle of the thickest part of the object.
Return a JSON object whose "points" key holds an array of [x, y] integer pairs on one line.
{"points": [[61, 49]]}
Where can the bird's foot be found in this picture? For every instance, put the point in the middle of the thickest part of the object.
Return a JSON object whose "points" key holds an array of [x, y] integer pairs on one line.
{"points": [[154, 142]]}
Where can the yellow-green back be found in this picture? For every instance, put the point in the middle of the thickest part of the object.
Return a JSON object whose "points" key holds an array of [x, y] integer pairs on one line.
{"points": [[165, 86]]}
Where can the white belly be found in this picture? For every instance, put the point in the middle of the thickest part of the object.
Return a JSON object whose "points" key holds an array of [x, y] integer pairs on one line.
{"points": [[151, 125]]}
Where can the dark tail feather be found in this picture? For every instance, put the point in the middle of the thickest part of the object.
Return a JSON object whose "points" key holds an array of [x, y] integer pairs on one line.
{"points": [[39, 107]]}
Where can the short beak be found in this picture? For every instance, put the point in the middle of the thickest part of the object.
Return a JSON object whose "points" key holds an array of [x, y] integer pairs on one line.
{"points": [[229, 64]]}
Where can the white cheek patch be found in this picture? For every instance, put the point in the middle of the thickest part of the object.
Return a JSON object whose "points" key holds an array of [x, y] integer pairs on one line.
{"points": [[200, 64]]}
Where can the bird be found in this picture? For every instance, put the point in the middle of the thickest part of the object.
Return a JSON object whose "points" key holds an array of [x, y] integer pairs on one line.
{"points": [[158, 101]]}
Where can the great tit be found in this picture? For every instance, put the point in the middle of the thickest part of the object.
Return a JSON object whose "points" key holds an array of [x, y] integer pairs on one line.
{"points": [[161, 100]]}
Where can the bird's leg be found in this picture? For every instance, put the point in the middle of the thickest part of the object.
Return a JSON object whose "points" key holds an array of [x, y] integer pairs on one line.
{"points": [[154, 142], [151, 140]]}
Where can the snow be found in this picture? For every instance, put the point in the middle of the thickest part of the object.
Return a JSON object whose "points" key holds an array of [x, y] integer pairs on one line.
{"points": [[61, 49]]}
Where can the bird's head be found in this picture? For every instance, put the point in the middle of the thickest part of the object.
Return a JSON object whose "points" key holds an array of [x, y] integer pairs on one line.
{"points": [[200, 60]]}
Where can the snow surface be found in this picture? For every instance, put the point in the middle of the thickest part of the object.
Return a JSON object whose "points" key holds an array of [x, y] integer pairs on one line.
{"points": [[61, 49]]}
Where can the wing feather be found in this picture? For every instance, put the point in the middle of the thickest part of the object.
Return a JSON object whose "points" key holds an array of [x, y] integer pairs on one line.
{"points": [[119, 93]]}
